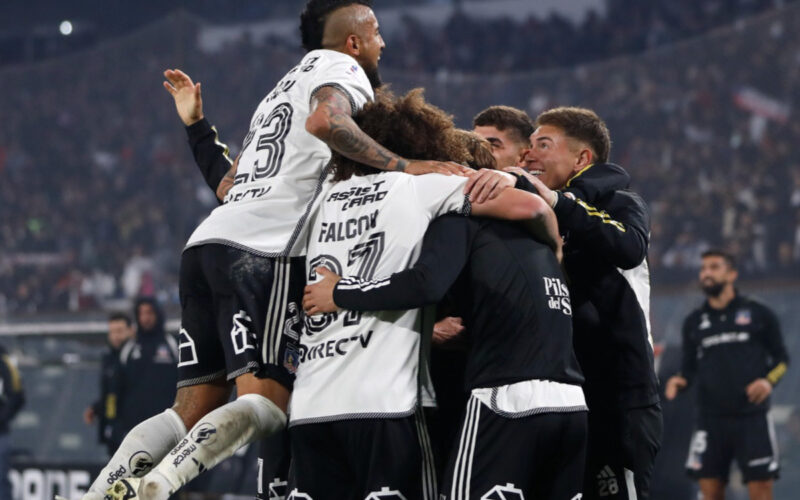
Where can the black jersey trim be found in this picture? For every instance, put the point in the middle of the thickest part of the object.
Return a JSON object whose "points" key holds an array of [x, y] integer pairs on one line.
{"points": [[466, 208], [352, 416], [238, 246], [250, 367], [340, 88], [201, 380]]}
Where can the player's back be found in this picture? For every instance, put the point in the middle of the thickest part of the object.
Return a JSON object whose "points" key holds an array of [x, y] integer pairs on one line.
{"points": [[516, 306], [354, 363], [282, 166]]}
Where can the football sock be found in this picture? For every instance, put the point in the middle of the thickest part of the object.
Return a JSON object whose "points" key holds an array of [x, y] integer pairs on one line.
{"points": [[214, 438], [144, 446]]}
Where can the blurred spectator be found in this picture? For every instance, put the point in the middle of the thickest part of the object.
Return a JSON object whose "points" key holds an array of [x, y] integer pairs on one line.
{"points": [[12, 397], [99, 192], [104, 410], [146, 380]]}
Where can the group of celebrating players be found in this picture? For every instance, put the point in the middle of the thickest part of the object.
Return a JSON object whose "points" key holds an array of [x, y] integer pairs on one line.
{"points": [[533, 378]]}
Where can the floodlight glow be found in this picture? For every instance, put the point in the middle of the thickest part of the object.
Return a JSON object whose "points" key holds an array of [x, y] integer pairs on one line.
{"points": [[65, 28]]}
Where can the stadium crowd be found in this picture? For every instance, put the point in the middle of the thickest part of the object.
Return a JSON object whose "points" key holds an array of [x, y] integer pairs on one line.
{"points": [[99, 192]]}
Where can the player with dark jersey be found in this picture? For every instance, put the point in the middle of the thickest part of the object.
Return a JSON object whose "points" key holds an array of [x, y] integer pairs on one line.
{"points": [[524, 428], [734, 352]]}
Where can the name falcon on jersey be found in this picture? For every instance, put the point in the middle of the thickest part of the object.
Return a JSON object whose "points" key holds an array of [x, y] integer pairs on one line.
{"points": [[351, 228], [359, 196]]}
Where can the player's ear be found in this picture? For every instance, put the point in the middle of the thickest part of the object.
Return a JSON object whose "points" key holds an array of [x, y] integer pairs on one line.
{"points": [[353, 44], [584, 159]]}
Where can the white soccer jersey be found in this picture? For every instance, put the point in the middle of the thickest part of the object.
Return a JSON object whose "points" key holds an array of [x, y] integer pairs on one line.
{"points": [[365, 365], [282, 166]]}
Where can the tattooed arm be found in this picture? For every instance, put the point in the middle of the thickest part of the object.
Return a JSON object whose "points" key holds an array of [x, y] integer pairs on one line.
{"points": [[226, 183], [331, 121]]}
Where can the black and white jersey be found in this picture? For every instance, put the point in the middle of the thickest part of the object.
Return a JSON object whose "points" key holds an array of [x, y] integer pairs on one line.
{"points": [[361, 365], [281, 168], [724, 350], [516, 307]]}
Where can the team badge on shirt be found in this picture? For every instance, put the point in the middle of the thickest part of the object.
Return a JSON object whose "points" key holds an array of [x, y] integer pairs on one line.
{"points": [[743, 317], [291, 359], [162, 355]]}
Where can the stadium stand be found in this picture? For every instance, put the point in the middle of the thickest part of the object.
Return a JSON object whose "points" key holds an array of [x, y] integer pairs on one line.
{"points": [[99, 191]]}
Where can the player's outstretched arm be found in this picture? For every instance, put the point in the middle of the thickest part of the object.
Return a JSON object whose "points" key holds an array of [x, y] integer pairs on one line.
{"points": [[332, 122], [210, 154], [187, 95], [445, 250]]}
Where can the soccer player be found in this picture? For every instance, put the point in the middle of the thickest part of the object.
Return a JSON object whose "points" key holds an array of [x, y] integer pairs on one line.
{"points": [[242, 270], [356, 430], [360, 365], [733, 350], [606, 229], [508, 130]]}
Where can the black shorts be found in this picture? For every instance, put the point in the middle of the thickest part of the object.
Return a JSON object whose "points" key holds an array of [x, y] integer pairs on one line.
{"points": [[240, 313], [749, 439], [370, 459], [537, 457], [621, 455]]}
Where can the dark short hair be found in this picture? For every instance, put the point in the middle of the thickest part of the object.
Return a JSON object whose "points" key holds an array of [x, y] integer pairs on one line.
{"points": [[728, 257], [581, 124], [506, 118], [120, 316], [408, 126], [314, 16]]}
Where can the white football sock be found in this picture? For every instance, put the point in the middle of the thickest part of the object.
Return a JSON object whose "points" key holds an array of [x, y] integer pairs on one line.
{"points": [[144, 446], [214, 438]]}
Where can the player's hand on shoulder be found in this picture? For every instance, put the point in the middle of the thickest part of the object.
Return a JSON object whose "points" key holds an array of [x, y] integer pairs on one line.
{"points": [[318, 298], [545, 192], [187, 96], [422, 167], [487, 184], [674, 385], [758, 390]]}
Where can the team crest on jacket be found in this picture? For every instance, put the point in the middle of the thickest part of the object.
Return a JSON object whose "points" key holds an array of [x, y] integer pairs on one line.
{"points": [[743, 317]]}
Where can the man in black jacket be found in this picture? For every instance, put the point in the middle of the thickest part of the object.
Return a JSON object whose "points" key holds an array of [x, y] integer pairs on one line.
{"points": [[146, 378], [734, 352], [606, 230], [104, 409]]}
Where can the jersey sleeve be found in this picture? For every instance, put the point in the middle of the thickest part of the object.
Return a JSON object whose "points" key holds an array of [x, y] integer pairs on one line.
{"points": [[445, 250], [773, 342], [621, 238], [211, 156], [343, 73], [441, 194]]}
